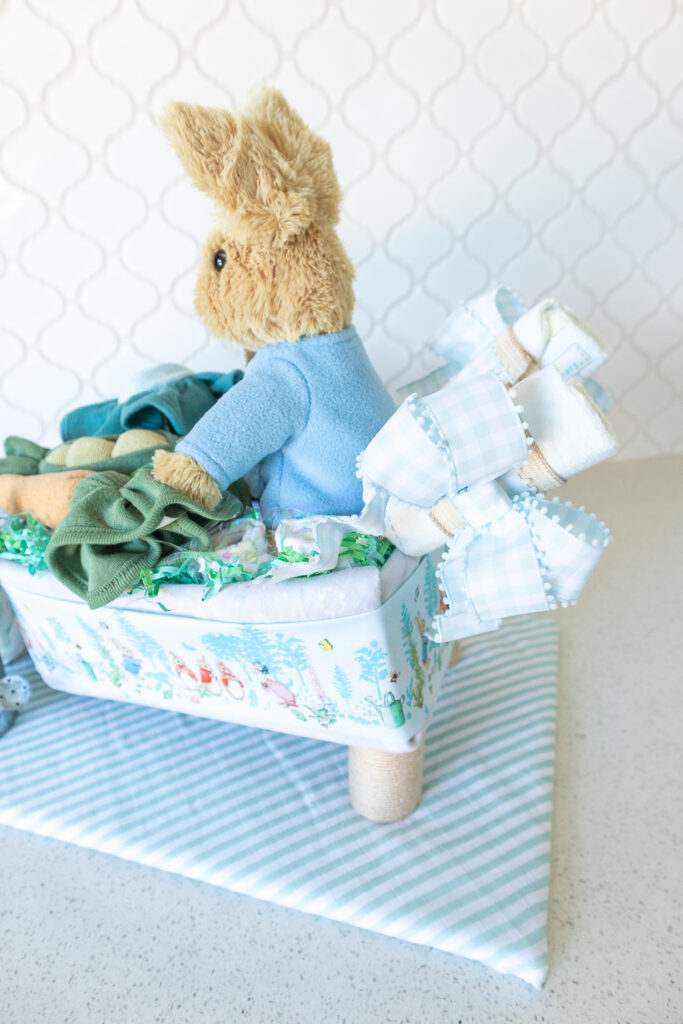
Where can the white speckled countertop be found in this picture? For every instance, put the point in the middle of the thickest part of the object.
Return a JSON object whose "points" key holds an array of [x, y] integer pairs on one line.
{"points": [[89, 939]]}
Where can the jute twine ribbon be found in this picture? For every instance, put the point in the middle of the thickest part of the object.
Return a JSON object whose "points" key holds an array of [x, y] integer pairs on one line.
{"points": [[514, 358], [537, 472], [446, 516]]}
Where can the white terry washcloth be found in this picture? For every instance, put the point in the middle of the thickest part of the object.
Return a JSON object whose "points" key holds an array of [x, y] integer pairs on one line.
{"points": [[332, 595], [555, 336], [567, 426]]}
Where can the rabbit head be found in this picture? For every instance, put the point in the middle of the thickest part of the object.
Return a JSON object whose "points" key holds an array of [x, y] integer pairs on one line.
{"points": [[273, 268]]}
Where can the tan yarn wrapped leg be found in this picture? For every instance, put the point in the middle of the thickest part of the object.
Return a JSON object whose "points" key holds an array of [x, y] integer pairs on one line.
{"points": [[385, 787]]}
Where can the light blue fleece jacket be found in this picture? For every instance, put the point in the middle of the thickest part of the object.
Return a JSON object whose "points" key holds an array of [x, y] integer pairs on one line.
{"points": [[300, 416]]}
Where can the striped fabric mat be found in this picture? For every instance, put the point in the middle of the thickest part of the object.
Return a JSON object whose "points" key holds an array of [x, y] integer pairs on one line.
{"points": [[267, 814]]}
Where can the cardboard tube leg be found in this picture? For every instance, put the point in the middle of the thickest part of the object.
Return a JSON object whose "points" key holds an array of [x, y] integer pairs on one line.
{"points": [[385, 787]]}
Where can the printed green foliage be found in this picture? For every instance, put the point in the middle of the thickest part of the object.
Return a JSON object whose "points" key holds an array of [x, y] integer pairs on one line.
{"points": [[430, 589], [59, 630], [247, 648], [407, 637], [141, 642], [373, 665], [325, 716], [111, 667], [227, 646], [342, 683], [291, 654]]}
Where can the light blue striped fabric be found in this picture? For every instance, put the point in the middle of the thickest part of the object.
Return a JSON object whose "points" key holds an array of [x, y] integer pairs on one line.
{"points": [[267, 814]]}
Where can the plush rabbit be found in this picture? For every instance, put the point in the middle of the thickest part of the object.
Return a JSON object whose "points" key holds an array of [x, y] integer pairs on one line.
{"points": [[274, 277]]}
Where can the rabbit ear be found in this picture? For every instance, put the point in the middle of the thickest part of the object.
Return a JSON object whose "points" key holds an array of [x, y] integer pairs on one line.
{"points": [[270, 175], [203, 138], [269, 110], [308, 156]]}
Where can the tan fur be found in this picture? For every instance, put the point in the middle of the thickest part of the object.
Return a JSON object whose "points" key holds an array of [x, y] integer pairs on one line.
{"points": [[185, 475], [263, 296], [277, 198], [286, 274]]}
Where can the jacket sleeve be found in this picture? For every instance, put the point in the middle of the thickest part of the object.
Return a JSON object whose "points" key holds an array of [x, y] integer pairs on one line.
{"points": [[253, 419]]}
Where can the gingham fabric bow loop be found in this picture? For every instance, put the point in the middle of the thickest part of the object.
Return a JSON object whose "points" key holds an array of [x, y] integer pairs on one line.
{"points": [[496, 332], [438, 445], [530, 556], [511, 556], [404, 460]]}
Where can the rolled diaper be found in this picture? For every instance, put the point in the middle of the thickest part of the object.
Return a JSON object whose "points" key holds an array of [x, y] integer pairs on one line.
{"points": [[413, 530], [553, 335], [86, 450], [475, 324], [496, 332]]}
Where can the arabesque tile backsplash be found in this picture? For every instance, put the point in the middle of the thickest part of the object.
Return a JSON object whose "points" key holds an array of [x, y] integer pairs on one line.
{"points": [[535, 143]]}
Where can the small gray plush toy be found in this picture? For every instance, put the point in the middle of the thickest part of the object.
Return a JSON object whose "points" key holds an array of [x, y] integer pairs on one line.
{"points": [[15, 693]]}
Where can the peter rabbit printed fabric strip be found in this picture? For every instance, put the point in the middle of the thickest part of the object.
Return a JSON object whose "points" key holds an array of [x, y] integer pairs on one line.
{"points": [[467, 873]]}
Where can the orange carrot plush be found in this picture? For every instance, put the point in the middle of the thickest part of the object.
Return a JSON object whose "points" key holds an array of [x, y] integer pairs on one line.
{"points": [[45, 496]]}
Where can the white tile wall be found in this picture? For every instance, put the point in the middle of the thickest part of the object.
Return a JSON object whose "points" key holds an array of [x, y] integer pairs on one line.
{"points": [[537, 142]]}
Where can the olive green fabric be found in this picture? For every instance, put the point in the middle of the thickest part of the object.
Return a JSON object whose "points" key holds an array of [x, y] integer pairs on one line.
{"points": [[22, 456], [117, 526], [24, 448], [26, 458]]}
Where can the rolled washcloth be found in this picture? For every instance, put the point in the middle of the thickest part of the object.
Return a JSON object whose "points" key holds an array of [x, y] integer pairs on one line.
{"points": [[554, 335], [567, 426], [331, 595]]}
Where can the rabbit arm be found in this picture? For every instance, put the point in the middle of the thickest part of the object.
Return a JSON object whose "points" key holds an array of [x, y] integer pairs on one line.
{"points": [[254, 419]]}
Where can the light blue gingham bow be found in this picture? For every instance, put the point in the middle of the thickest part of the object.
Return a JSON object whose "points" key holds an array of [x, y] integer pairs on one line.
{"points": [[440, 444], [466, 342], [535, 555], [515, 553]]}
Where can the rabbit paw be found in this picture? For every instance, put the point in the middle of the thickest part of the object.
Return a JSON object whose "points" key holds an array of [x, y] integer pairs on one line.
{"points": [[185, 475]]}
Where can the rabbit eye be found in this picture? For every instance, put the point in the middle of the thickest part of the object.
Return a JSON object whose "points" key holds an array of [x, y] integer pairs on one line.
{"points": [[219, 259]]}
